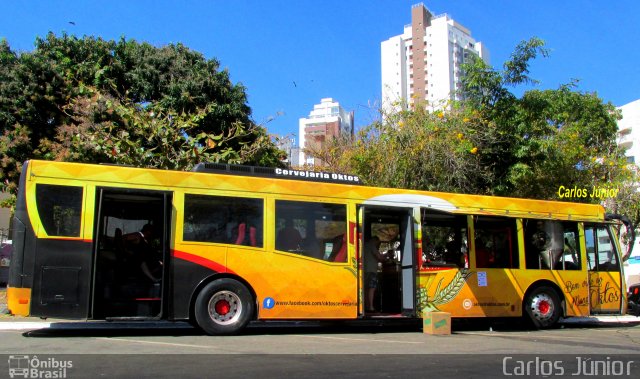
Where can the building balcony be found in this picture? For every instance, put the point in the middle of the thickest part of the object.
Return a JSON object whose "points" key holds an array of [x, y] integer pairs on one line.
{"points": [[626, 144]]}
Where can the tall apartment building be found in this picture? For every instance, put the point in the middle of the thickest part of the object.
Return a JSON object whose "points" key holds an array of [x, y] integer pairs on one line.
{"points": [[629, 138], [423, 63], [629, 131], [327, 120]]}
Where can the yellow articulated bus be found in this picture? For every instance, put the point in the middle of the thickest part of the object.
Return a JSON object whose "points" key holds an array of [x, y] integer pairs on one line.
{"points": [[224, 245]]}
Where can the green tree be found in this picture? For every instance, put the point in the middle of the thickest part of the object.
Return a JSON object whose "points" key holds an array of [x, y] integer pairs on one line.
{"points": [[627, 202], [107, 129], [563, 138], [492, 142], [82, 98], [416, 149], [552, 138]]}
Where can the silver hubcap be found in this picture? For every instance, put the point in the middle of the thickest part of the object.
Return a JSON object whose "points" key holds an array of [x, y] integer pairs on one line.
{"points": [[225, 308], [542, 307]]}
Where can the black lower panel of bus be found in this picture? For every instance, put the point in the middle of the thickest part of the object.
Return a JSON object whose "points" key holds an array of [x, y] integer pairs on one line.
{"points": [[62, 281]]}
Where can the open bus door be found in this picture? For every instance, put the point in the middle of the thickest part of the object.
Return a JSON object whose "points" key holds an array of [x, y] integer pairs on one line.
{"points": [[395, 278], [131, 249], [605, 274]]}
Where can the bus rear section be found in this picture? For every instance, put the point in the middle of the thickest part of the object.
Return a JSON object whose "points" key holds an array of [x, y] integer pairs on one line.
{"points": [[67, 264], [78, 254], [50, 274]]}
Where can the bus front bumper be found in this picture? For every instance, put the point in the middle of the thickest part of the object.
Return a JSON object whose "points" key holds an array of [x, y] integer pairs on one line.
{"points": [[18, 300]]}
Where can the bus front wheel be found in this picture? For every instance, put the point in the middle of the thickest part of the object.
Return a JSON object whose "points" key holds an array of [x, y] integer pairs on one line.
{"points": [[223, 306], [542, 306]]}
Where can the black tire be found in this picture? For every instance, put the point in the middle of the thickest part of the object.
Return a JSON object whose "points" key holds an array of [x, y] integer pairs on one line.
{"points": [[224, 306], [543, 307]]}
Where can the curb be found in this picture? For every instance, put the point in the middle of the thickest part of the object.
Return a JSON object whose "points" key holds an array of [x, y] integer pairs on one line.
{"points": [[91, 325], [601, 320]]}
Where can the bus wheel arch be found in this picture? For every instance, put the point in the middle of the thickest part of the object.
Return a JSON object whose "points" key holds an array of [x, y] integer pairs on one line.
{"points": [[543, 304], [223, 304]]}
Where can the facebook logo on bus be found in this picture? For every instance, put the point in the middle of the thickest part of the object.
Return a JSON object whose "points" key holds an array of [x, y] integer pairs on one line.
{"points": [[268, 303]]}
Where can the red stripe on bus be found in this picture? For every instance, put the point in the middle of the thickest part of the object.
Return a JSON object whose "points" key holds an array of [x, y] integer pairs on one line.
{"points": [[353, 230], [217, 267]]}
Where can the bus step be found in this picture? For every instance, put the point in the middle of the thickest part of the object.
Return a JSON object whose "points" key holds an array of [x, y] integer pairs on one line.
{"points": [[132, 318]]}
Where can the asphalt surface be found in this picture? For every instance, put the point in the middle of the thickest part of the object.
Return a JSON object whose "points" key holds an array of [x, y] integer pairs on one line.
{"points": [[477, 348], [347, 350]]}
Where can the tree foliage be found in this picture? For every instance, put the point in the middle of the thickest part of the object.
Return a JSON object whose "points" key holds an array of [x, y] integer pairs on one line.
{"points": [[93, 100], [416, 149], [627, 203], [105, 129], [492, 142]]}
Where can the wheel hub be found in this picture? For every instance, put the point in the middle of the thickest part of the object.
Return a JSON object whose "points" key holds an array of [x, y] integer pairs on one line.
{"points": [[543, 307], [225, 307]]}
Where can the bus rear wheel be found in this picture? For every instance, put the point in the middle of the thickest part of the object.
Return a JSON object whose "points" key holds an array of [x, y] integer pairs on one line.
{"points": [[542, 306], [223, 306]]}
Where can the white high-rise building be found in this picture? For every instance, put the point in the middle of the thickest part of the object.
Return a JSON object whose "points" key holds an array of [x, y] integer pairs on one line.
{"points": [[327, 119], [423, 63], [629, 131], [629, 139]]}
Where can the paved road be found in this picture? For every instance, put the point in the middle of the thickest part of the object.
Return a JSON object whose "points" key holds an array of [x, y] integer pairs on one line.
{"points": [[309, 338], [476, 349]]}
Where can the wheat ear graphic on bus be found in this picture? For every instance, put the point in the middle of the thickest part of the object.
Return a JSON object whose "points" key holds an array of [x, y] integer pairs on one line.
{"points": [[443, 295]]}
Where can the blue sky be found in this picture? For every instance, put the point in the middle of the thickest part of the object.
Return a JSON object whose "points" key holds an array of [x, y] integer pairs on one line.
{"points": [[331, 48]]}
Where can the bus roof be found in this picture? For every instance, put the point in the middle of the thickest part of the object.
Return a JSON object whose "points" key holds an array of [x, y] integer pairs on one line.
{"points": [[291, 186]]}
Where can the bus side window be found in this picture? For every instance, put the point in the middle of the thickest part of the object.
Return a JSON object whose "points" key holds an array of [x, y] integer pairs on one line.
{"points": [[312, 229], [551, 244], [60, 209], [601, 250], [570, 259], [496, 242], [444, 240], [607, 256], [222, 219]]}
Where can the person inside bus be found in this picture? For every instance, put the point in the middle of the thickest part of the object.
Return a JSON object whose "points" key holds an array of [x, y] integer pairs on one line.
{"points": [[311, 245], [339, 251], [541, 242], [568, 258], [485, 253], [144, 256], [372, 256], [288, 238], [454, 253]]}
